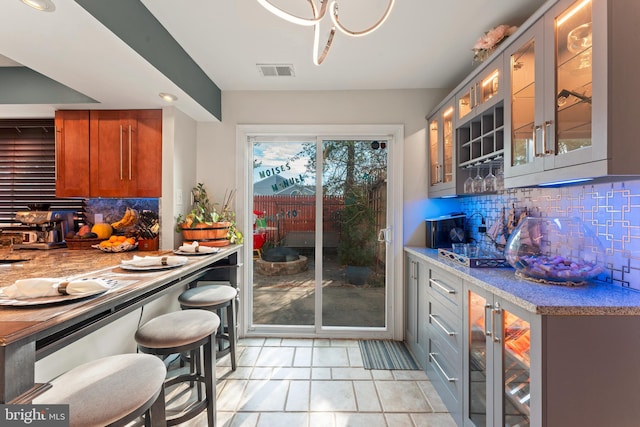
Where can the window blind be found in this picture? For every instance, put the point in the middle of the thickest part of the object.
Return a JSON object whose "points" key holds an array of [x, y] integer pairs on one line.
{"points": [[27, 168]]}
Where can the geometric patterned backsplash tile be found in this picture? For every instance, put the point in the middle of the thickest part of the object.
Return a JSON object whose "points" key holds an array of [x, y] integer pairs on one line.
{"points": [[611, 210]]}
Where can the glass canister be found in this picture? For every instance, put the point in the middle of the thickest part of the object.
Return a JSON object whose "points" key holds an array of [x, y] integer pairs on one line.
{"points": [[555, 250]]}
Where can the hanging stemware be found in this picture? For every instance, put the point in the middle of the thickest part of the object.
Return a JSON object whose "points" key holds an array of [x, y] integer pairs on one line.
{"points": [[468, 185], [478, 182], [489, 182]]}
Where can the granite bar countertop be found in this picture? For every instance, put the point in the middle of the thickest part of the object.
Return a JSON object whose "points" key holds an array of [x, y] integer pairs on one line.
{"points": [[593, 299], [61, 262]]}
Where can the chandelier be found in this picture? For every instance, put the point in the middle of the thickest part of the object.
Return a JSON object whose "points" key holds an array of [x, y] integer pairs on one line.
{"points": [[317, 15]]}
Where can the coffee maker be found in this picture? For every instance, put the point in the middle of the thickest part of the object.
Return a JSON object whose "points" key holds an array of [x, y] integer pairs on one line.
{"points": [[43, 229]]}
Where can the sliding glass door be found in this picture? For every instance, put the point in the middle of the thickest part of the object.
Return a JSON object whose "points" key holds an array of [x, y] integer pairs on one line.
{"points": [[320, 235]]}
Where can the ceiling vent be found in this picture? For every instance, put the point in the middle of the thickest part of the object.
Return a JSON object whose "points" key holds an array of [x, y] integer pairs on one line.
{"points": [[276, 70]]}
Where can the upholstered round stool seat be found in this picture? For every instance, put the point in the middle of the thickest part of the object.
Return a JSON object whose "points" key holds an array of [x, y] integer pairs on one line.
{"points": [[206, 296], [175, 330], [112, 390], [180, 332], [216, 298]]}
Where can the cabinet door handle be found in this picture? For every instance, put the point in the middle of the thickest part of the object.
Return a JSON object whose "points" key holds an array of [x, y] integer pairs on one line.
{"points": [[487, 316], [130, 153], [496, 312], [547, 130], [55, 148], [441, 286], [432, 356], [472, 98], [437, 322], [120, 152], [536, 152]]}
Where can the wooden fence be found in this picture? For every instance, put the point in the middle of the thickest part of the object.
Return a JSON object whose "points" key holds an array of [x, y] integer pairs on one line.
{"points": [[296, 216]]}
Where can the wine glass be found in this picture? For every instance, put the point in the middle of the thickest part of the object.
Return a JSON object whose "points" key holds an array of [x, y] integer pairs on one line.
{"points": [[478, 182], [468, 185], [500, 178], [489, 181]]}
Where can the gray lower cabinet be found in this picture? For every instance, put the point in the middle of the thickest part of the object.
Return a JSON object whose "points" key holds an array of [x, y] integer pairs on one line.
{"points": [[415, 301], [495, 363], [498, 356], [445, 335]]}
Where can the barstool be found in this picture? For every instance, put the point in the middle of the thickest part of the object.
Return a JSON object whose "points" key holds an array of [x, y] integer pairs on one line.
{"points": [[216, 298], [179, 332], [111, 391]]}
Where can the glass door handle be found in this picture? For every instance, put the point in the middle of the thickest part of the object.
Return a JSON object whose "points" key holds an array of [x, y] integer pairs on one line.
{"points": [[384, 235]]}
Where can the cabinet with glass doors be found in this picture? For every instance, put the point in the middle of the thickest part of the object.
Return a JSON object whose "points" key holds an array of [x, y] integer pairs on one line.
{"points": [[567, 112], [498, 355], [442, 155], [481, 92]]}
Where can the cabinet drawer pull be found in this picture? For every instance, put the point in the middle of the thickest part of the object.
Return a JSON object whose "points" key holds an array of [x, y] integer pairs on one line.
{"points": [[432, 356], [437, 322], [441, 286]]}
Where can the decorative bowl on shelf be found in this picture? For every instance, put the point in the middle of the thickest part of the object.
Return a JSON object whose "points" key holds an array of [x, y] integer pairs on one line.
{"points": [[555, 250]]}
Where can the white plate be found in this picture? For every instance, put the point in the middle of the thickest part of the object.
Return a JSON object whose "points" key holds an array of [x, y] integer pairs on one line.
{"points": [[48, 300], [211, 251], [152, 267]]}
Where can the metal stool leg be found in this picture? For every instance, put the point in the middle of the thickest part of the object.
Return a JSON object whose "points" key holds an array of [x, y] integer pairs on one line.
{"points": [[210, 384], [231, 331]]}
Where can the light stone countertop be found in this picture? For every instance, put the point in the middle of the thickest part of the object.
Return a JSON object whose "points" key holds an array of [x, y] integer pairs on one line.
{"points": [[593, 299]]}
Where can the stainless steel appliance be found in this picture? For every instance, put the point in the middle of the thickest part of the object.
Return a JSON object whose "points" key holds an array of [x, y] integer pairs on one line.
{"points": [[42, 229], [445, 230]]}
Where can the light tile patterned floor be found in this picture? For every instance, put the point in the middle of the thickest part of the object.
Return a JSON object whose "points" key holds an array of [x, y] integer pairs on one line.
{"points": [[321, 382]]}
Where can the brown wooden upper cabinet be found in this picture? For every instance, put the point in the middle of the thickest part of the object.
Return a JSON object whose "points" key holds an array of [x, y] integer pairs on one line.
{"points": [[72, 153], [126, 153]]}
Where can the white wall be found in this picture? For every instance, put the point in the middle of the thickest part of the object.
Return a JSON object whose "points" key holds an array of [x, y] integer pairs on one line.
{"points": [[216, 165], [179, 154]]}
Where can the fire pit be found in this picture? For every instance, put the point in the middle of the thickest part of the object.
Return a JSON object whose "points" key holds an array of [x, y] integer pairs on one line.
{"points": [[280, 261]]}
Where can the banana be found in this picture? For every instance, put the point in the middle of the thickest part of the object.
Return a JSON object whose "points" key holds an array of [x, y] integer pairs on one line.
{"points": [[129, 218]]}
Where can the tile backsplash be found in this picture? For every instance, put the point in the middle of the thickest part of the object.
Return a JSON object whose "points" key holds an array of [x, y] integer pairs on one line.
{"points": [[113, 209], [611, 210]]}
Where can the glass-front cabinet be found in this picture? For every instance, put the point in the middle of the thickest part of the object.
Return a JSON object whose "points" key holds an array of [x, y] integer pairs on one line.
{"points": [[441, 152], [481, 92], [498, 363], [563, 85]]}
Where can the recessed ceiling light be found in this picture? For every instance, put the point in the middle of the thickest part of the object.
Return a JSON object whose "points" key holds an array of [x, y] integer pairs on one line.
{"points": [[41, 5], [168, 97]]}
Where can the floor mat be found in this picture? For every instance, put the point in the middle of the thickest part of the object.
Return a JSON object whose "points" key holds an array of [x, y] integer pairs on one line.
{"points": [[386, 354]]}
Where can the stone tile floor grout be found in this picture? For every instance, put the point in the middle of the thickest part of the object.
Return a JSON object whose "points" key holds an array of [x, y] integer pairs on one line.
{"points": [[318, 382]]}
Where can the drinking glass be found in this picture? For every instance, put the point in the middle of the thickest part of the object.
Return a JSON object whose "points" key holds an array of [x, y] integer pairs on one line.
{"points": [[468, 185], [490, 181], [478, 182], [500, 178]]}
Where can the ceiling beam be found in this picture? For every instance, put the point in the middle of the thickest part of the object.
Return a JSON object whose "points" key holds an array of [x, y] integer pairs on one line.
{"points": [[132, 22]]}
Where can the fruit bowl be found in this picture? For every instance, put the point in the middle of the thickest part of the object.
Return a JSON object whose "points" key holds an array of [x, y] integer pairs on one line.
{"points": [[117, 244], [122, 247], [555, 251]]}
